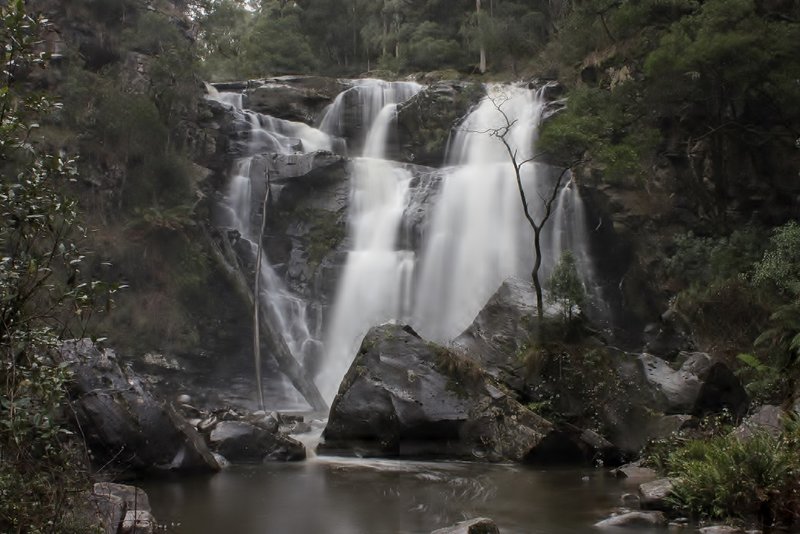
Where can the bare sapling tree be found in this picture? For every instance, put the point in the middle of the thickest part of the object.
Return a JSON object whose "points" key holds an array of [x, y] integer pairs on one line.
{"points": [[547, 201], [264, 319], [257, 295]]}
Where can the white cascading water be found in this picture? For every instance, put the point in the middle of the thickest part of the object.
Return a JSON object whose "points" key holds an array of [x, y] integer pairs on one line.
{"points": [[370, 97], [266, 135], [473, 237], [477, 235], [375, 281]]}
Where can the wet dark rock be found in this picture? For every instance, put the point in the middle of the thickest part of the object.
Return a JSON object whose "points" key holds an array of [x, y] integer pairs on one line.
{"points": [[125, 427], [653, 495], [294, 98], [630, 500], [572, 445], [634, 520], [405, 397], [481, 525], [424, 122], [239, 441]]}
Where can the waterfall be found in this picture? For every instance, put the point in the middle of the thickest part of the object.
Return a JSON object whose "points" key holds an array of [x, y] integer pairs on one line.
{"points": [[362, 103], [269, 135], [474, 237], [472, 231], [373, 287]]}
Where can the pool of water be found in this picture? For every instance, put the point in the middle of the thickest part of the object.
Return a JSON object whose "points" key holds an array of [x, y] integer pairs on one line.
{"points": [[352, 496]]}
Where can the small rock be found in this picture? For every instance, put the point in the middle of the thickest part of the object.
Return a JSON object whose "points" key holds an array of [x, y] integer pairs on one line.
{"points": [[634, 471], [184, 399], [634, 519], [138, 522], [654, 494], [221, 460], [630, 500], [480, 525], [207, 424]]}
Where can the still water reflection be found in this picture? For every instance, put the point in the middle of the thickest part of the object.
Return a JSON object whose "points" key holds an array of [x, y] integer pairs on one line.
{"points": [[353, 496]]}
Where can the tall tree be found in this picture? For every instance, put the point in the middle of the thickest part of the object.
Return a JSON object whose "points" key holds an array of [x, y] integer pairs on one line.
{"points": [[482, 66]]}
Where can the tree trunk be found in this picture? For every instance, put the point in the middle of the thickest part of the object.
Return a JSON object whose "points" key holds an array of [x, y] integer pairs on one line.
{"points": [[257, 300], [294, 371], [482, 66], [537, 285]]}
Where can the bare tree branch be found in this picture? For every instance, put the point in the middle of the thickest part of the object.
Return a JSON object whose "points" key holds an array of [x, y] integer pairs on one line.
{"points": [[547, 202]]}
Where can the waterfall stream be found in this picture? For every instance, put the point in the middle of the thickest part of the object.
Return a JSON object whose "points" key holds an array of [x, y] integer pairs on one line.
{"points": [[269, 135], [473, 233]]}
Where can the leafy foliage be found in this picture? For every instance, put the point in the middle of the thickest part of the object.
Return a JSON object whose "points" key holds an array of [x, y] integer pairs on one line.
{"points": [[565, 286], [732, 476], [44, 295], [246, 39]]}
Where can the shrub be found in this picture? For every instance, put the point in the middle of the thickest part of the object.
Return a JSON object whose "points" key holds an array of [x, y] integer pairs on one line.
{"points": [[565, 286], [730, 476], [44, 296]]}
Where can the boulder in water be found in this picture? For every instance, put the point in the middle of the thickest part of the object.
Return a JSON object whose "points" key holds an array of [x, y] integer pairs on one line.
{"points": [[406, 397], [239, 441], [125, 427], [119, 508], [634, 520], [653, 495], [138, 522]]}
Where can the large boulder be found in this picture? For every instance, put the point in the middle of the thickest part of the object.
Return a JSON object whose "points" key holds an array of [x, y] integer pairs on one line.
{"points": [[424, 121], [404, 396], [124, 426], [700, 386], [501, 329]]}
